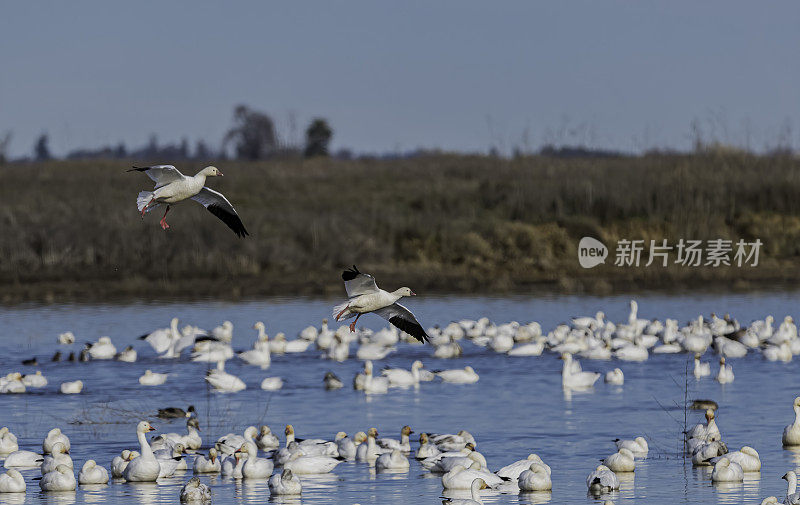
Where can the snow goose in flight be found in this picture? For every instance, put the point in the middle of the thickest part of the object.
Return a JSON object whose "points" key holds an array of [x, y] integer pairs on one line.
{"points": [[173, 187], [365, 296]]}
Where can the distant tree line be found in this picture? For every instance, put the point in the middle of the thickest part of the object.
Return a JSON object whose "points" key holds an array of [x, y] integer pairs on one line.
{"points": [[253, 136]]}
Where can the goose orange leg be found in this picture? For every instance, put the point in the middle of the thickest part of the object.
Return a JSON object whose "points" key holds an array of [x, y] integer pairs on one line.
{"points": [[353, 324], [163, 221]]}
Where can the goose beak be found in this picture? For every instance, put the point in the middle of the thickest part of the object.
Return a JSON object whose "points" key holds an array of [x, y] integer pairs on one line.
{"points": [[152, 429], [413, 294]]}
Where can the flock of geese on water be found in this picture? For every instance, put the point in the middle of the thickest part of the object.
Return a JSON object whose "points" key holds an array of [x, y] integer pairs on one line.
{"points": [[454, 456]]}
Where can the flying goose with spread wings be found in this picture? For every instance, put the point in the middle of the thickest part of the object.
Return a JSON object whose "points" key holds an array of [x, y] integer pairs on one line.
{"points": [[365, 296], [173, 187]]}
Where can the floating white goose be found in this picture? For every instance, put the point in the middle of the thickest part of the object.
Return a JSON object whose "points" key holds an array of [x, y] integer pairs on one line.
{"points": [[284, 483], [58, 456], [301, 464], [746, 457], [576, 380], [792, 495], [621, 461], [373, 385], [426, 449], [210, 465], [725, 374], [232, 467], [119, 463], [195, 491], [36, 380], [191, 440], [536, 478], [638, 446], [345, 446], [8, 441], [91, 473], [223, 381], [72, 388], [615, 377], [102, 349], [266, 440], [170, 460], [173, 187], [23, 459], [12, 482], [791, 433], [462, 478], [255, 467], [512, 471], [369, 450], [401, 445], [145, 467], [399, 377], [53, 437], [365, 297], [153, 379], [394, 460], [272, 384], [66, 338], [128, 355], [60, 479], [464, 375], [726, 470], [602, 480], [474, 488]]}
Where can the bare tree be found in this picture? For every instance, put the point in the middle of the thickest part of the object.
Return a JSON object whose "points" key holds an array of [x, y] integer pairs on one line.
{"points": [[253, 134], [318, 136]]}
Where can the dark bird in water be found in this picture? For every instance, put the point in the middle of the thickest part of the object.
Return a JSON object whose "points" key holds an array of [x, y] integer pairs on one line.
{"points": [[704, 405], [85, 354], [71, 356], [30, 362], [365, 296], [56, 356], [332, 381], [175, 412]]}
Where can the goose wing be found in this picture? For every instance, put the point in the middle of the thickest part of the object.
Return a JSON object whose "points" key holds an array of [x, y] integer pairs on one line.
{"points": [[404, 320], [161, 174], [222, 208], [357, 283]]}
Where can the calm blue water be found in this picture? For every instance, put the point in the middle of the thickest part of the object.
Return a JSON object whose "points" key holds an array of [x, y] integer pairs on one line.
{"points": [[516, 408]]}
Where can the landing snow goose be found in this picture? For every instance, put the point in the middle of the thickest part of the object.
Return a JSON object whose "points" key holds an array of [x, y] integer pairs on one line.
{"points": [[173, 187], [365, 296], [791, 433]]}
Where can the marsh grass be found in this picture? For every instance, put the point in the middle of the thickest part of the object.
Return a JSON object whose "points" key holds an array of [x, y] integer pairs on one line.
{"points": [[446, 223]]}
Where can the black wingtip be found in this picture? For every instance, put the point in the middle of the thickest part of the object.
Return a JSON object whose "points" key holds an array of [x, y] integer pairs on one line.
{"points": [[137, 169], [350, 273]]}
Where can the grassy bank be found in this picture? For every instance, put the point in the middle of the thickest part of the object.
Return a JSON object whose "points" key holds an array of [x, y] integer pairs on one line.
{"points": [[70, 230]]}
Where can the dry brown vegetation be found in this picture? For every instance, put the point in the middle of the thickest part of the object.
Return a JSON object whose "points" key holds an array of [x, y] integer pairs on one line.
{"points": [[445, 223]]}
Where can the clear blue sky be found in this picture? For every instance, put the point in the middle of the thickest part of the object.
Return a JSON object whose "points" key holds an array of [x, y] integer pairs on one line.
{"points": [[459, 75]]}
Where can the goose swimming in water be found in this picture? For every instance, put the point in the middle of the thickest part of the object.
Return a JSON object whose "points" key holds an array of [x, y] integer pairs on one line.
{"points": [[145, 467], [474, 488], [285, 483], [195, 491], [91, 473], [60, 479], [365, 297], [536, 478], [791, 433], [173, 187], [602, 480], [12, 482]]}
